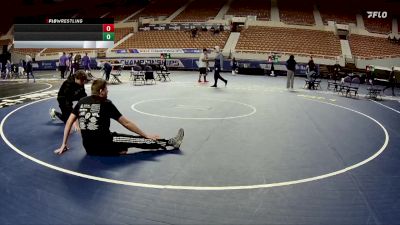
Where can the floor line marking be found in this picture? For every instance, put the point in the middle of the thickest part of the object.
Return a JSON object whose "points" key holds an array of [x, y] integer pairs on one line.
{"points": [[386, 106], [200, 188], [254, 110], [13, 96]]}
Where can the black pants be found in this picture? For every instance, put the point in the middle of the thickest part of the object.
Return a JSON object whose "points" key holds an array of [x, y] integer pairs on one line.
{"points": [[62, 70], [217, 75], [71, 71], [126, 141], [121, 143], [390, 85], [311, 84], [108, 72], [30, 73], [65, 112]]}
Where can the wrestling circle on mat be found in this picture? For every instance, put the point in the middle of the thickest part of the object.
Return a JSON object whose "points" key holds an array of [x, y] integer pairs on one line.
{"points": [[256, 158]]}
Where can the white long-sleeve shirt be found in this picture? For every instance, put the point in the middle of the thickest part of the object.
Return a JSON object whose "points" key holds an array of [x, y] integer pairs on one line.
{"points": [[201, 62]]}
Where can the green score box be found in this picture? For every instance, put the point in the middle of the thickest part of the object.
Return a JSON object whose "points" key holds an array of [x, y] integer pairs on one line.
{"points": [[108, 36]]}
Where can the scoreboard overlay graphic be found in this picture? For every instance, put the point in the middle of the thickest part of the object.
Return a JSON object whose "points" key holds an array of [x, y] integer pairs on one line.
{"points": [[64, 33]]}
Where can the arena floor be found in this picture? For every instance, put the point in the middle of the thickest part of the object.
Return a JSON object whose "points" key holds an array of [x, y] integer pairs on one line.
{"points": [[253, 153]]}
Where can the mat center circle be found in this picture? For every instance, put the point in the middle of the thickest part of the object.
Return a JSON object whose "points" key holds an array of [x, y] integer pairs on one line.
{"points": [[194, 108]]}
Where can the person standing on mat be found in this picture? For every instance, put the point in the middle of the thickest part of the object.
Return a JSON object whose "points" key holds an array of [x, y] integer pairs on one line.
{"points": [[392, 82], [8, 69], [94, 114], [234, 65], [107, 70], [62, 65], [311, 73], [29, 68], [218, 66], [71, 66], [71, 90], [336, 70], [291, 68], [77, 62], [203, 61], [85, 61]]}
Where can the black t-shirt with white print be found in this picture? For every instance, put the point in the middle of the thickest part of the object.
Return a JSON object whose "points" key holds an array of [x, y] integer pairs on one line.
{"points": [[94, 114]]}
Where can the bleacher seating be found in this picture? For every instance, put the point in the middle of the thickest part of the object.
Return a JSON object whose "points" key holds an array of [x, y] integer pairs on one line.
{"points": [[342, 12], [289, 40], [296, 12], [90, 13], [200, 11], [26, 51], [159, 8], [173, 39], [379, 24], [5, 42], [253, 39], [121, 13], [372, 47], [122, 32], [5, 27], [382, 26], [259, 8]]}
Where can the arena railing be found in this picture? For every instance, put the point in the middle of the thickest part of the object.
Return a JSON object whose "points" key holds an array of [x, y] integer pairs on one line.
{"points": [[288, 53], [68, 51], [376, 57]]}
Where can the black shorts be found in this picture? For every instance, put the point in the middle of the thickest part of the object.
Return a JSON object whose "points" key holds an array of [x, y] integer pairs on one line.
{"points": [[104, 148], [203, 70]]}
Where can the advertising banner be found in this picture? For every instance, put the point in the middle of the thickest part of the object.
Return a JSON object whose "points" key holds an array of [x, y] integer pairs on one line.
{"points": [[182, 64], [181, 26]]}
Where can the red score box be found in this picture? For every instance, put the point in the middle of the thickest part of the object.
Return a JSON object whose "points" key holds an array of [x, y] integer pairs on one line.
{"points": [[108, 27]]}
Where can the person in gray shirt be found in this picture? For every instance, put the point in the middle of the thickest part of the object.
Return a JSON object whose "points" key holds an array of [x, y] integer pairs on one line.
{"points": [[219, 63]]}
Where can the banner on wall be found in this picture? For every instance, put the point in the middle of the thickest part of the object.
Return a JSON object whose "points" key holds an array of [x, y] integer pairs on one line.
{"points": [[181, 26], [159, 50], [182, 63], [128, 62]]}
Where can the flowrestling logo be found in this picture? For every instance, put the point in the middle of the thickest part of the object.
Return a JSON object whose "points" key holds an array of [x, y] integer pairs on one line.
{"points": [[377, 14], [64, 21]]}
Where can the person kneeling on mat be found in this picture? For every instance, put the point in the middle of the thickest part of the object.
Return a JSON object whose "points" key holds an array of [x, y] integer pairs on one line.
{"points": [[94, 113], [71, 90]]}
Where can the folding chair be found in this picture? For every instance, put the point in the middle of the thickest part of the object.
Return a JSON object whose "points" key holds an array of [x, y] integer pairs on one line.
{"points": [[312, 82], [116, 74], [373, 91], [163, 73], [350, 86], [333, 84], [137, 76], [149, 75]]}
